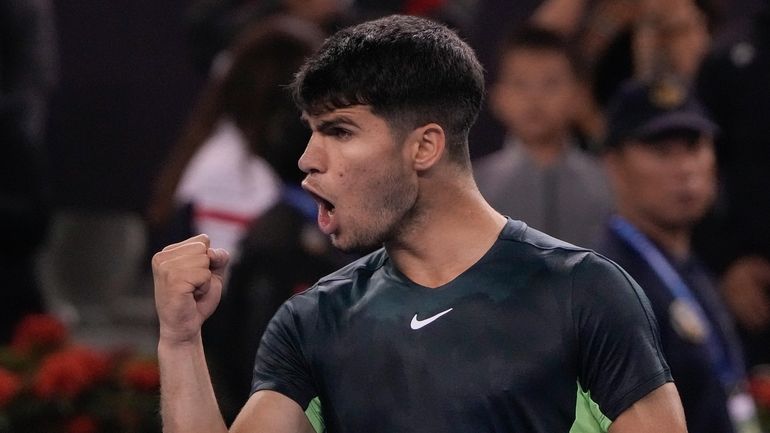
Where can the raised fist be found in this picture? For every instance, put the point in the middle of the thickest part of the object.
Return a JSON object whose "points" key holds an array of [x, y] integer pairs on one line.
{"points": [[188, 279]]}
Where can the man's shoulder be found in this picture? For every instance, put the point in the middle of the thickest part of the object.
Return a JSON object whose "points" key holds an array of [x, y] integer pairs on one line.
{"points": [[332, 290], [531, 245], [348, 273], [528, 241]]}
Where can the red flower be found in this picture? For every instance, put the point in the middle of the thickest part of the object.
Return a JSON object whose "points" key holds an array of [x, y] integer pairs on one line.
{"points": [[142, 375], [10, 384], [69, 372], [760, 388], [38, 331], [82, 424]]}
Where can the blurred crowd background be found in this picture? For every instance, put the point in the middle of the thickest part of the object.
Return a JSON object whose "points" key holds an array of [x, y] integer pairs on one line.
{"points": [[131, 125]]}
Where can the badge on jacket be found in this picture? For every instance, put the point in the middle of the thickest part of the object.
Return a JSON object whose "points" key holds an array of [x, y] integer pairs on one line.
{"points": [[687, 322]]}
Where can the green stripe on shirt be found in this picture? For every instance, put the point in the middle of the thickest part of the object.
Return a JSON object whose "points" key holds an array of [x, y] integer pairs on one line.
{"points": [[314, 415], [588, 416]]}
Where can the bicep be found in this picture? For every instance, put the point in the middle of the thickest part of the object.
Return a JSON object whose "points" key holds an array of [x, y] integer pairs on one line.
{"points": [[620, 360], [658, 411], [273, 412]]}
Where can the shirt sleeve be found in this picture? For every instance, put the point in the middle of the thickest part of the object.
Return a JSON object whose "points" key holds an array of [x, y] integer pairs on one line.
{"points": [[620, 356], [280, 364]]}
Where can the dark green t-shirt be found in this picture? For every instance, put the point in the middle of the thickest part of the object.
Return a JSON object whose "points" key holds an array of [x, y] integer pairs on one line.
{"points": [[537, 336]]}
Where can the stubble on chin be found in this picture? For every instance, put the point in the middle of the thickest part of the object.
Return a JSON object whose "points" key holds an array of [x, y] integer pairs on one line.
{"points": [[385, 217], [385, 227], [358, 245]]}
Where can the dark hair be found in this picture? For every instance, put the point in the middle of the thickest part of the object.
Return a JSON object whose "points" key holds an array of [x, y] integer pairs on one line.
{"points": [[533, 37], [410, 70], [251, 89]]}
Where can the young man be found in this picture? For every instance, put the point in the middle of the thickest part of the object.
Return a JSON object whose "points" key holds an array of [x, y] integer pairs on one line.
{"points": [[662, 165], [465, 321], [541, 176]]}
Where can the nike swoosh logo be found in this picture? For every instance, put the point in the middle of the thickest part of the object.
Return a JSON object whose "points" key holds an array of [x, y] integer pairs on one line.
{"points": [[417, 324]]}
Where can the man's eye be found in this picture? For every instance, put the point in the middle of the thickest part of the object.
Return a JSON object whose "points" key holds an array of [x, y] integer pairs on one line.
{"points": [[340, 133]]}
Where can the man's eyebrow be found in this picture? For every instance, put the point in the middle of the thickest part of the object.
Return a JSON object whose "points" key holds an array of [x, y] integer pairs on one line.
{"points": [[336, 121]]}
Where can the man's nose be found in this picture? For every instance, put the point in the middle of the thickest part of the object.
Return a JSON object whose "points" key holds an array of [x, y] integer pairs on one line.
{"points": [[313, 159]]}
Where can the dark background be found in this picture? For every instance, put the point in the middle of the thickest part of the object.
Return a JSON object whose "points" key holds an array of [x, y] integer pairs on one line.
{"points": [[125, 87]]}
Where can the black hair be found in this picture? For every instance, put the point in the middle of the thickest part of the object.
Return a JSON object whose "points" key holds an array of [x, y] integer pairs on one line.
{"points": [[537, 38], [409, 70], [253, 88]]}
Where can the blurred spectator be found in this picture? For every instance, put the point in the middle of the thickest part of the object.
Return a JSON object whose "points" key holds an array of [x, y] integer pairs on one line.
{"points": [[645, 40], [661, 161], [283, 251], [621, 39], [735, 86], [496, 18], [216, 181], [541, 176], [28, 62], [27, 76], [214, 24], [492, 20]]}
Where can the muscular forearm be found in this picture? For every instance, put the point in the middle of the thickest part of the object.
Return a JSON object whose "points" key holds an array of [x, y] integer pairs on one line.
{"points": [[188, 404]]}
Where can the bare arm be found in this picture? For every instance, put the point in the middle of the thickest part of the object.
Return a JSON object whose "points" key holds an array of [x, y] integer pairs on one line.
{"points": [[659, 411], [271, 412], [188, 286], [188, 280], [188, 403]]}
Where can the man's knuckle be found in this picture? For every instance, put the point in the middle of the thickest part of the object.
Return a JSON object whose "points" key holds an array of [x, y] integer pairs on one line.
{"points": [[157, 259]]}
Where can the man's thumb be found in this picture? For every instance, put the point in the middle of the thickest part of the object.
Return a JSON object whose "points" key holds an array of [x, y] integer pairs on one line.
{"points": [[219, 258]]}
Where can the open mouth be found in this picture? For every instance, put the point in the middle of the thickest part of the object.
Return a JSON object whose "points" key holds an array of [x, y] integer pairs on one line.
{"points": [[324, 205], [326, 220]]}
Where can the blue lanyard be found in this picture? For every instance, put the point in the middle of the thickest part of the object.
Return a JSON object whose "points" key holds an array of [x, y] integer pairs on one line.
{"points": [[299, 199], [728, 371]]}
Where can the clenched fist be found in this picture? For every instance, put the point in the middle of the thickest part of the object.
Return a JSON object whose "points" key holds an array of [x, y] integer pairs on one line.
{"points": [[188, 280]]}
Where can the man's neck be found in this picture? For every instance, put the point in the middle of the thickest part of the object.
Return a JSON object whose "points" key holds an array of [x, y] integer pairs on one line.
{"points": [[675, 241], [456, 227]]}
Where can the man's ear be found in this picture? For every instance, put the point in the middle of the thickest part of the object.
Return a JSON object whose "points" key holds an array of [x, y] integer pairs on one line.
{"points": [[427, 145]]}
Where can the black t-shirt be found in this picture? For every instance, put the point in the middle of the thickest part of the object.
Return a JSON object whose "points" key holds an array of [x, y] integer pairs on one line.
{"points": [[537, 336]]}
